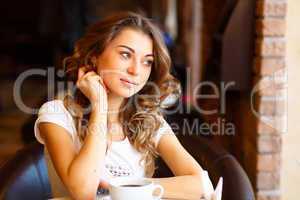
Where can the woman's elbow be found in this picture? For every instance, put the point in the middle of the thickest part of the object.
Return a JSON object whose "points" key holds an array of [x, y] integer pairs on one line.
{"points": [[83, 191], [83, 194], [81, 187]]}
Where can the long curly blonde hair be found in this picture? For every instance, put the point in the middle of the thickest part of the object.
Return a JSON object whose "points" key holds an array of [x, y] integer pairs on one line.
{"points": [[141, 122]]}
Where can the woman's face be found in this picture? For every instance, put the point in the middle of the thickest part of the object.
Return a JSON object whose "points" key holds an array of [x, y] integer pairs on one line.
{"points": [[126, 62]]}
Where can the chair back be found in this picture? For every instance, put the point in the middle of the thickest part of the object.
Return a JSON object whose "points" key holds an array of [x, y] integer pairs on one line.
{"points": [[218, 162], [25, 176]]}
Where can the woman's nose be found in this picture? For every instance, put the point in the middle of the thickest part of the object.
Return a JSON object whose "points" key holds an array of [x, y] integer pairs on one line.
{"points": [[134, 68]]}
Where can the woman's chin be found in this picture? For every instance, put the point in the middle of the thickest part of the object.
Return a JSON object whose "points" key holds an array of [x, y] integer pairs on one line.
{"points": [[126, 93]]}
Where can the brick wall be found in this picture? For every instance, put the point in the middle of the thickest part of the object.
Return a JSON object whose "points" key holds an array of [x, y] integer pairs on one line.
{"points": [[260, 116], [270, 81]]}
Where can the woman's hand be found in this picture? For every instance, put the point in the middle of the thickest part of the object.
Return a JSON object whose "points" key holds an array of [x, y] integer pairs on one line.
{"points": [[103, 185], [93, 87]]}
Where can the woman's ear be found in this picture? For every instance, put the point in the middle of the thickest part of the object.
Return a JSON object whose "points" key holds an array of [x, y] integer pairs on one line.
{"points": [[94, 62]]}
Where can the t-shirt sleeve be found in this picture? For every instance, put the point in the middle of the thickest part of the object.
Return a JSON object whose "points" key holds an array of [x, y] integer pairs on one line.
{"points": [[164, 129], [54, 112]]}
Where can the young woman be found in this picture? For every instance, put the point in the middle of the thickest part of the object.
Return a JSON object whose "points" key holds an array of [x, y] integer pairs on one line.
{"points": [[112, 125]]}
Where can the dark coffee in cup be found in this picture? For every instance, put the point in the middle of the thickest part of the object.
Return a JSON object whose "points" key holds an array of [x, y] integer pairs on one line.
{"points": [[128, 188], [132, 185]]}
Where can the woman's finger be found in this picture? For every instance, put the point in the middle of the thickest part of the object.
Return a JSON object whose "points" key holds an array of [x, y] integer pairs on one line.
{"points": [[104, 185], [81, 72], [102, 82], [89, 73], [85, 75], [100, 79]]}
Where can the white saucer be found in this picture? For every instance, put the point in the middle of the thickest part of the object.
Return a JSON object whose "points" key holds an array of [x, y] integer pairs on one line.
{"points": [[107, 197]]}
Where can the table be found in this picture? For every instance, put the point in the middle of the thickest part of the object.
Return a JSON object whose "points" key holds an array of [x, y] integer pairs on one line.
{"points": [[66, 198], [208, 187]]}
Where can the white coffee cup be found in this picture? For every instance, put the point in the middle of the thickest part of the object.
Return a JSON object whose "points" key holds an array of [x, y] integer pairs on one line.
{"points": [[124, 188]]}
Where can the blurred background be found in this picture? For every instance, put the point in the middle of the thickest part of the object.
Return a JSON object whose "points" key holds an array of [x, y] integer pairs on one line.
{"points": [[249, 49]]}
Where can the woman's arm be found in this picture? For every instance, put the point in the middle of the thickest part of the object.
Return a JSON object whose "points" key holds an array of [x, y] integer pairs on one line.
{"points": [[80, 172], [187, 183]]}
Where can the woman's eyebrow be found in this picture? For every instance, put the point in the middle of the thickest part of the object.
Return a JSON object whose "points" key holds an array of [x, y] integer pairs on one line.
{"points": [[132, 50]]}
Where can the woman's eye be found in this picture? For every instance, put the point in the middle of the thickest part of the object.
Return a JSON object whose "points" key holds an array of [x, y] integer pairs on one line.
{"points": [[149, 62], [125, 55]]}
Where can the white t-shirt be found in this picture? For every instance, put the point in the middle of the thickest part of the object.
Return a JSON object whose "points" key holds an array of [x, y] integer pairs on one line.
{"points": [[121, 159]]}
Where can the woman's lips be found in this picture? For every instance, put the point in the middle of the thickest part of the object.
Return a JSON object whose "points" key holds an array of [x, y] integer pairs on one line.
{"points": [[128, 83]]}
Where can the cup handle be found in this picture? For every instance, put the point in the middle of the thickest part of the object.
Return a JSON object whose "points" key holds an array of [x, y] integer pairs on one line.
{"points": [[161, 191]]}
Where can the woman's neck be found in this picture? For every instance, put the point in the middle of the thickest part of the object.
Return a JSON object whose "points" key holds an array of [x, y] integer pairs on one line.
{"points": [[114, 104]]}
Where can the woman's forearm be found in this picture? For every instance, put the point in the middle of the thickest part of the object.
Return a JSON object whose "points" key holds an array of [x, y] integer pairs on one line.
{"points": [[181, 187], [85, 170]]}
